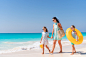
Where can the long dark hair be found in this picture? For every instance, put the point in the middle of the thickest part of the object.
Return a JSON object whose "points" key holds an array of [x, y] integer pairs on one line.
{"points": [[56, 19], [46, 29]]}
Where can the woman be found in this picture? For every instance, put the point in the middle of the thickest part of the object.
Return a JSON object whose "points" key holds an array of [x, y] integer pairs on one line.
{"points": [[56, 26]]}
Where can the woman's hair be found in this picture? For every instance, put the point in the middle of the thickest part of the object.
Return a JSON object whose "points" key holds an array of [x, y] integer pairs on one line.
{"points": [[46, 29], [56, 19], [73, 26]]}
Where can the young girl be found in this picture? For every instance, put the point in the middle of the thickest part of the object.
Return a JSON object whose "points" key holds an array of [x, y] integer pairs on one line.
{"points": [[74, 34], [44, 39]]}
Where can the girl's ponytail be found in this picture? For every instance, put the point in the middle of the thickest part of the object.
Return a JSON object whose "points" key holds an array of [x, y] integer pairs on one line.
{"points": [[46, 29]]}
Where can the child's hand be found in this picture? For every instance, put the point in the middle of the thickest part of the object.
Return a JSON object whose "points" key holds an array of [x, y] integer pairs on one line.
{"points": [[40, 41], [48, 37], [77, 40], [51, 37]]}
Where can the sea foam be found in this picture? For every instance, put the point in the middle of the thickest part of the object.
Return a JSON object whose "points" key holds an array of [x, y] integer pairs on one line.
{"points": [[31, 45]]}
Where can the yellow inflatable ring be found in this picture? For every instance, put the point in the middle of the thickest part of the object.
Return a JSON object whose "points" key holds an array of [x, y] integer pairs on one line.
{"points": [[71, 39]]}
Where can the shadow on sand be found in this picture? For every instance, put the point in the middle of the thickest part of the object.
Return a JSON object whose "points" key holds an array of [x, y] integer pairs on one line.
{"points": [[79, 52]]}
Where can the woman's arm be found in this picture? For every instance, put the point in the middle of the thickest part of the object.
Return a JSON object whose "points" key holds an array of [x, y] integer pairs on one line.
{"points": [[76, 35], [52, 31]]}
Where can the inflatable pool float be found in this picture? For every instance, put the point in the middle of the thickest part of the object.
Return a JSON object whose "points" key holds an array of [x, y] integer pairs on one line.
{"points": [[71, 39]]}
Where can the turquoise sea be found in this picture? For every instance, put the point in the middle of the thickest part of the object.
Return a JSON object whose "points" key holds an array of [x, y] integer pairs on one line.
{"points": [[11, 41]]}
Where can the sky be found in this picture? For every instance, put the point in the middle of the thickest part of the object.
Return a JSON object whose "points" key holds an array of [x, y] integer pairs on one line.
{"points": [[29, 16]]}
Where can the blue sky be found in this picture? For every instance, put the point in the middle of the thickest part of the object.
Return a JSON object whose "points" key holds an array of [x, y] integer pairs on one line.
{"points": [[29, 16]]}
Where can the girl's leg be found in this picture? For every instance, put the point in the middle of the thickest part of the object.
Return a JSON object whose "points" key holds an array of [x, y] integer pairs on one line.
{"points": [[59, 42], [43, 49], [47, 48], [54, 43], [72, 49]]}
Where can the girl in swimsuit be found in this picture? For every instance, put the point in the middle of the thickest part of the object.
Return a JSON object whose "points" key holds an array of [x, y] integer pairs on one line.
{"points": [[44, 38], [74, 34]]}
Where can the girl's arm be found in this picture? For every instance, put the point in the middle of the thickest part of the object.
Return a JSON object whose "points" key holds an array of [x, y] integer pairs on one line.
{"points": [[41, 39], [48, 36], [76, 35], [52, 31]]}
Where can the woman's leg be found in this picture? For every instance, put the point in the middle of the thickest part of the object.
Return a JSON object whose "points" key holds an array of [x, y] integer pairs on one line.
{"points": [[43, 49], [54, 43], [47, 48], [59, 42]]}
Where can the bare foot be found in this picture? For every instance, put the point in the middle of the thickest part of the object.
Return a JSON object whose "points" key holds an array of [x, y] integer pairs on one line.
{"points": [[72, 53], [51, 52], [42, 53], [75, 52], [60, 52]]}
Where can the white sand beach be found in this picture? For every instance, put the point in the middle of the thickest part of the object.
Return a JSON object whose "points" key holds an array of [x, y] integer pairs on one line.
{"points": [[81, 52]]}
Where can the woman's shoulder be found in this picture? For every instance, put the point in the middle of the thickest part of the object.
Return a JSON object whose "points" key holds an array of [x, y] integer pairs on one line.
{"points": [[53, 24], [59, 23]]}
